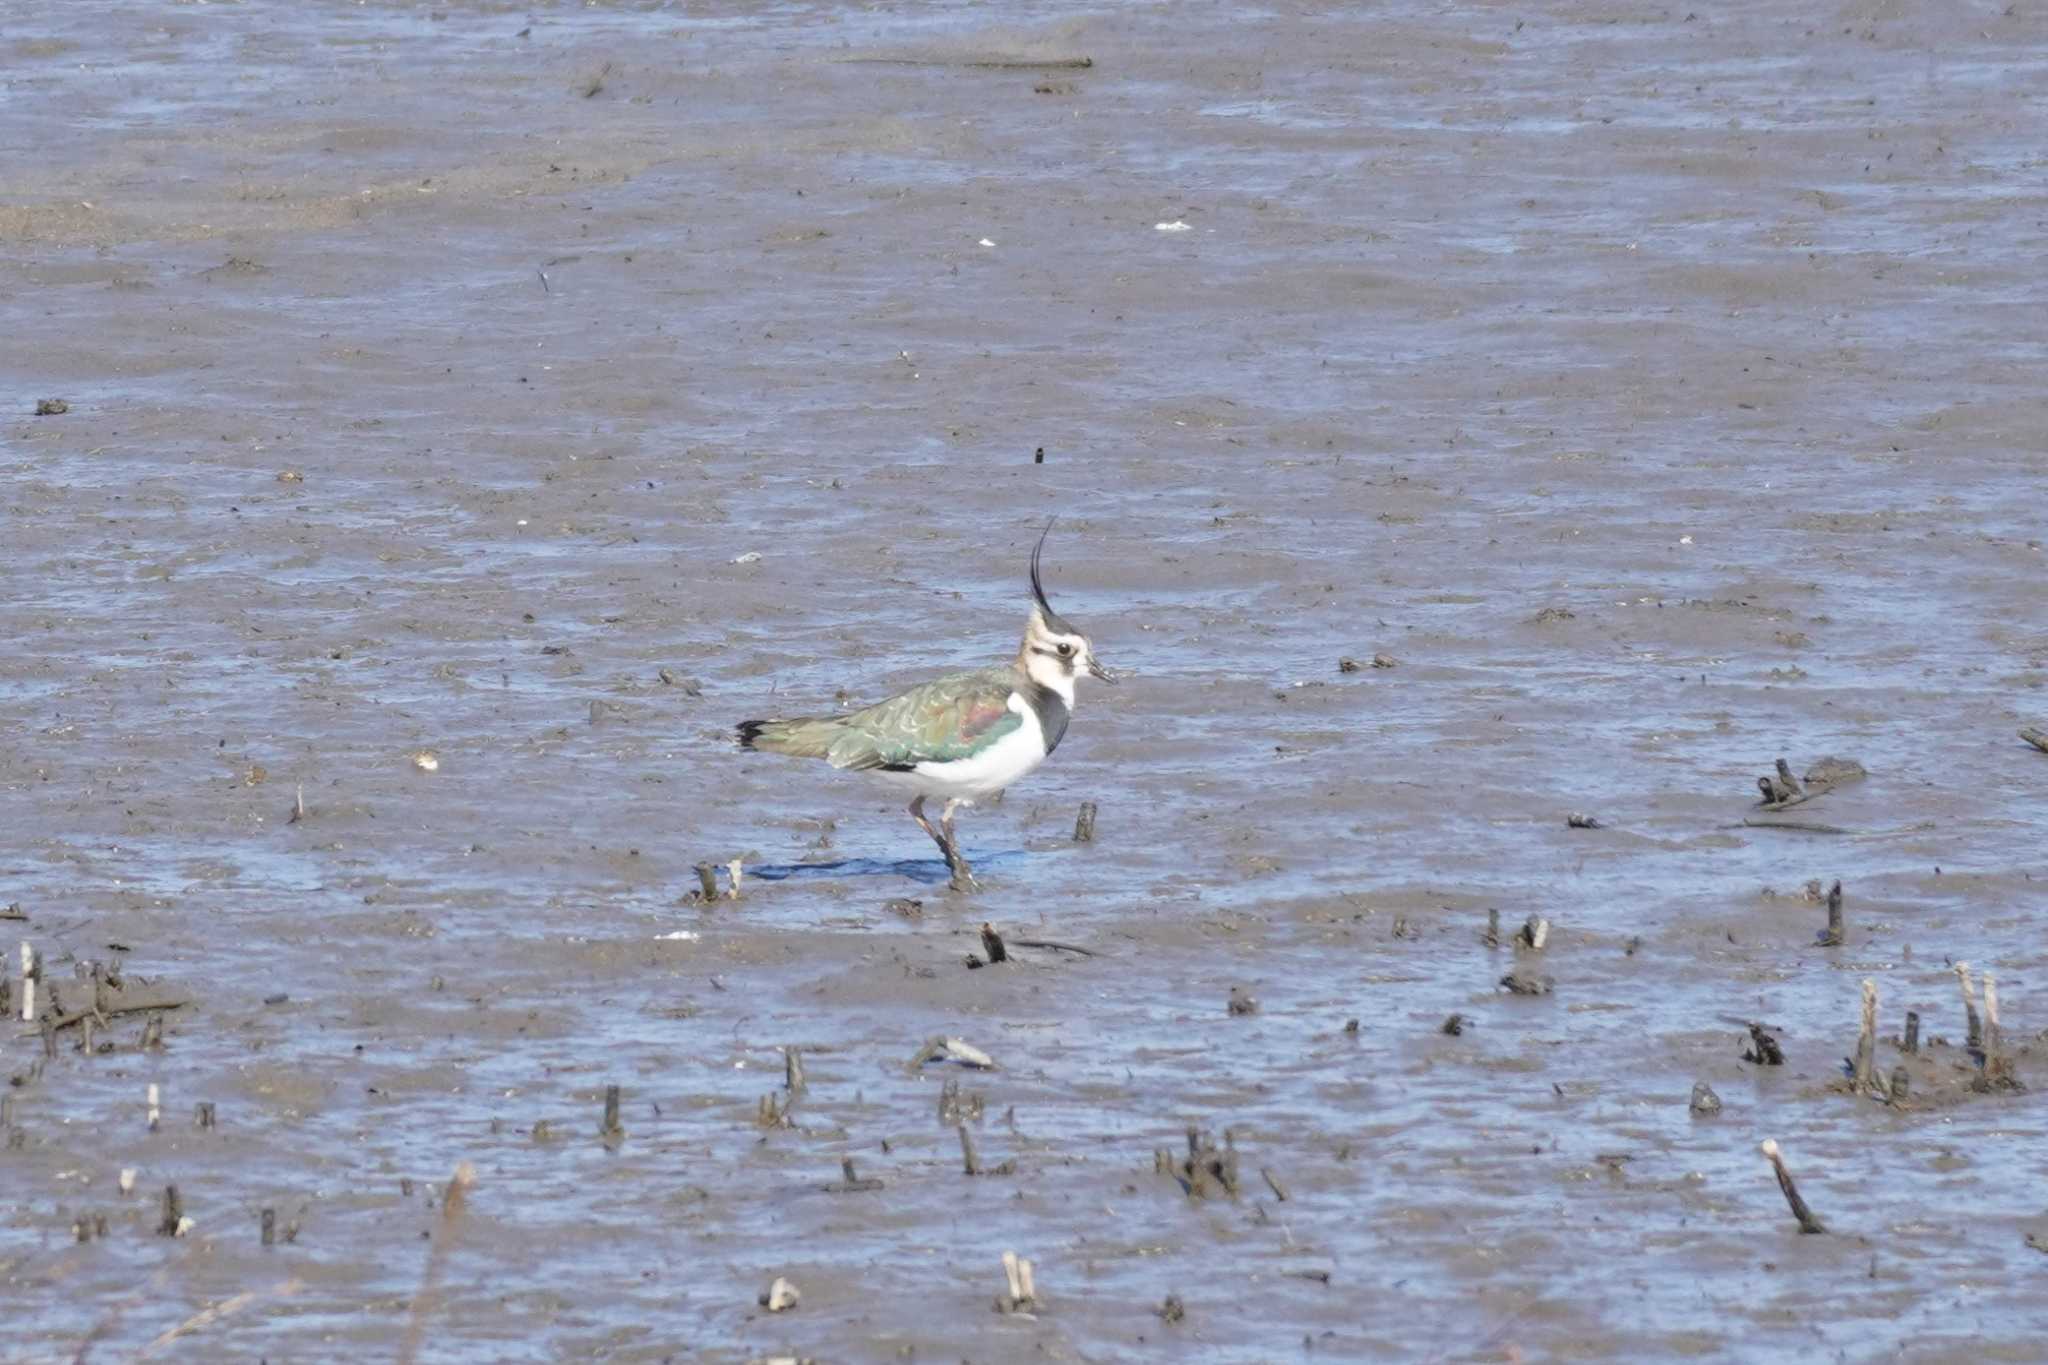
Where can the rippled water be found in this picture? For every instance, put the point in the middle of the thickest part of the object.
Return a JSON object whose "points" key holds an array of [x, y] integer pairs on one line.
{"points": [[1659, 391]]}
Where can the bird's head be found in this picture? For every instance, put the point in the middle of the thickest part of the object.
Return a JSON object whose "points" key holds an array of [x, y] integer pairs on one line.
{"points": [[1054, 653]]}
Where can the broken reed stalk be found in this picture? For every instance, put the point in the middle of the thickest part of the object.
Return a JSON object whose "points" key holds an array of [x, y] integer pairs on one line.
{"points": [[707, 882], [1785, 777], [453, 1200], [174, 1213], [1912, 1040], [611, 1130], [1084, 824], [1807, 1222], [1796, 826], [1996, 1063], [793, 1072], [1866, 1040], [968, 1160], [1832, 936], [1976, 1034], [28, 982], [992, 944]]}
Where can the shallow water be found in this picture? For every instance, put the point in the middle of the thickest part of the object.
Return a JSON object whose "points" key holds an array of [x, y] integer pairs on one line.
{"points": [[1659, 390]]}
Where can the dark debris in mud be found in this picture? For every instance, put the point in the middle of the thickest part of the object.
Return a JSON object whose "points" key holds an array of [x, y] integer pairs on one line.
{"points": [[1207, 1170]]}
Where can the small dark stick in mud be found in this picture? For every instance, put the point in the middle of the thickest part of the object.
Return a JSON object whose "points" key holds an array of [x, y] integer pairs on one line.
{"points": [[204, 1115], [298, 807], [707, 882], [174, 1213], [1492, 939], [992, 943], [611, 1131], [1912, 1039], [1763, 1049], [969, 1162], [1831, 937], [851, 1182], [1807, 1222], [1900, 1085], [269, 1226], [793, 1072], [1865, 1069], [1084, 824]]}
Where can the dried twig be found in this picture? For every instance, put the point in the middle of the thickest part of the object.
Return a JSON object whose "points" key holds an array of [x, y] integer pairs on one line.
{"points": [[1807, 1222], [1795, 826], [1052, 946]]}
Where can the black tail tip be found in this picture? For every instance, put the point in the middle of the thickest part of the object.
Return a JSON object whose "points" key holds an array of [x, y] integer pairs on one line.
{"points": [[748, 731]]}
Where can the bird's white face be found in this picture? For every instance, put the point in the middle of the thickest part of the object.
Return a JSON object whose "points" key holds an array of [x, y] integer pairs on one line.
{"points": [[1054, 656]]}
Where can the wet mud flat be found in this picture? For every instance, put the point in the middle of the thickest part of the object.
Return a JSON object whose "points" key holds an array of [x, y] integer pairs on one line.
{"points": [[452, 421]]}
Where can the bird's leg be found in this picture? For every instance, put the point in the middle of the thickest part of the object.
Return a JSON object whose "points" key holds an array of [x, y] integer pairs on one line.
{"points": [[963, 876], [942, 840]]}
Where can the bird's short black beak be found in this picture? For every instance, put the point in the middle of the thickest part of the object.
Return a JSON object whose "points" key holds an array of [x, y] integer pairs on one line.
{"points": [[1096, 670]]}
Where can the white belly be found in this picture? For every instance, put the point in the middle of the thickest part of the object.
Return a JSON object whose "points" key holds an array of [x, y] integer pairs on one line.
{"points": [[988, 772]]}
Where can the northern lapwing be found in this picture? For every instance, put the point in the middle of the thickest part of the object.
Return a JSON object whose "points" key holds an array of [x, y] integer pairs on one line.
{"points": [[960, 737]]}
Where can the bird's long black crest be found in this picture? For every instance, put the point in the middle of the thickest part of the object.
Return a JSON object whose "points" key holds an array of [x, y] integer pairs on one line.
{"points": [[1052, 618]]}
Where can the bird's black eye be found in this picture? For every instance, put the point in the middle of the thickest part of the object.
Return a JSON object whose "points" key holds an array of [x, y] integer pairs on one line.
{"points": [[1066, 650]]}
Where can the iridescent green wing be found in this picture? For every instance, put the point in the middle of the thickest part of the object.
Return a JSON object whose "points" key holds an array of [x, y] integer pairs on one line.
{"points": [[952, 718]]}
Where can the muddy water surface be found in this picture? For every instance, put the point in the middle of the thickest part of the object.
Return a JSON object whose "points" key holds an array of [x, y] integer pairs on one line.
{"points": [[1659, 390]]}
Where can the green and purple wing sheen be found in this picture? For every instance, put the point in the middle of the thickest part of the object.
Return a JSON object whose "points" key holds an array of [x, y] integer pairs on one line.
{"points": [[952, 718]]}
